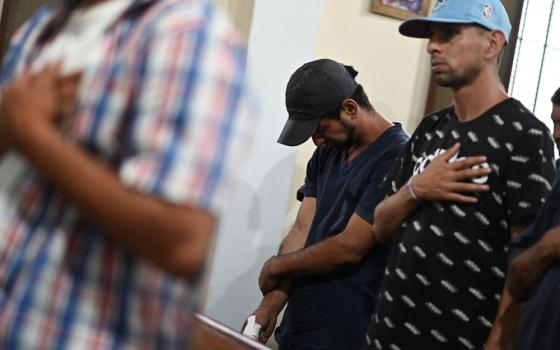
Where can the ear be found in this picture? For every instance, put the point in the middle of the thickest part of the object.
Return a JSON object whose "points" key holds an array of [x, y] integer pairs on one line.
{"points": [[350, 107], [496, 42]]}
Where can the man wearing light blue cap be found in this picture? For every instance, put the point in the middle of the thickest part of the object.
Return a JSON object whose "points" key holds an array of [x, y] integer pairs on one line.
{"points": [[470, 178]]}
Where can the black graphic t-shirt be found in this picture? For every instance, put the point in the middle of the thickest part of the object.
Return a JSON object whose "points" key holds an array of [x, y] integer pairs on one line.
{"points": [[446, 273]]}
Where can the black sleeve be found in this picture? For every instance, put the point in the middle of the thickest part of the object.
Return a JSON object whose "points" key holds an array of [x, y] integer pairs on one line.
{"points": [[545, 220], [309, 188], [373, 194], [529, 176], [401, 169], [299, 194]]}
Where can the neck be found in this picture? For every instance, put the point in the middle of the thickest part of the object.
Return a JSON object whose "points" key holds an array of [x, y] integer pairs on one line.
{"points": [[371, 126], [483, 93]]}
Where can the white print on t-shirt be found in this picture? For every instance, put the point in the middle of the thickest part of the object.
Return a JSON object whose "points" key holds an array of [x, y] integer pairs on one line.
{"points": [[422, 163]]}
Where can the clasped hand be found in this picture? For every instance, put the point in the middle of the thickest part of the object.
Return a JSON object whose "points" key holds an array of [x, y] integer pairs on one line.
{"points": [[267, 280]]}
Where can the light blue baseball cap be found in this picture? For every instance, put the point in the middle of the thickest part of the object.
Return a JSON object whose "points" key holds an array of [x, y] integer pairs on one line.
{"points": [[490, 14]]}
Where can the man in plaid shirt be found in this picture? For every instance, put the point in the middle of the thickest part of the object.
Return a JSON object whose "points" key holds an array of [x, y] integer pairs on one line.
{"points": [[122, 124]]}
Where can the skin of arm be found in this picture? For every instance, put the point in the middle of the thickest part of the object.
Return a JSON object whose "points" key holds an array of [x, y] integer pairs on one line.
{"points": [[345, 248], [528, 267], [175, 237], [274, 301], [503, 333], [440, 181]]}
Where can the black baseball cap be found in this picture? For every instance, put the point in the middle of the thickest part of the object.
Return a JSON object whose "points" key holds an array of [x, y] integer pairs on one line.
{"points": [[315, 89]]}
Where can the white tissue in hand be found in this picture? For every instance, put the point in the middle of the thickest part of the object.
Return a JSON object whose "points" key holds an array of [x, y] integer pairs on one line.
{"points": [[252, 329]]}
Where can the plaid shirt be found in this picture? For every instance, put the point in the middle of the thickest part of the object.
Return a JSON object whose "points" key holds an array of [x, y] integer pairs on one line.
{"points": [[167, 109]]}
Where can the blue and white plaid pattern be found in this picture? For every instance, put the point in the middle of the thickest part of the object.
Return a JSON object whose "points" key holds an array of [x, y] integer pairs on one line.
{"points": [[167, 109]]}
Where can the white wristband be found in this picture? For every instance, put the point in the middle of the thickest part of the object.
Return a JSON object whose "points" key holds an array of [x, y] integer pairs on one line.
{"points": [[410, 189]]}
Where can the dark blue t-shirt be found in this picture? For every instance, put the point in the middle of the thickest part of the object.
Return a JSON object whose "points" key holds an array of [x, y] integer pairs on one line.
{"points": [[332, 311], [540, 323]]}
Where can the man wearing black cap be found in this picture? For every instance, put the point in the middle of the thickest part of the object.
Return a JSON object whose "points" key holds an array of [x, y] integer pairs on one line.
{"points": [[471, 177], [327, 257]]}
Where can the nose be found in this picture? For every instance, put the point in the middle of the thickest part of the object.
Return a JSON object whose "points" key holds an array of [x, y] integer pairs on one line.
{"points": [[433, 46]]}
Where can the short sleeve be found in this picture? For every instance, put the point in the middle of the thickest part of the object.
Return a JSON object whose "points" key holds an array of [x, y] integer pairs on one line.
{"points": [[309, 188], [400, 169], [545, 220], [373, 194], [193, 117], [299, 194], [529, 176]]}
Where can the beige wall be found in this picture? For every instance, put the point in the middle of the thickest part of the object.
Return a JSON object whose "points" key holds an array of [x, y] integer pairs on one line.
{"points": [[393, 69], [241, 12]]}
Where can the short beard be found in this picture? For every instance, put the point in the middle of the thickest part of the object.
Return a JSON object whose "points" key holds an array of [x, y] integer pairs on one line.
{"points": [[455, 82], [351, 136]]}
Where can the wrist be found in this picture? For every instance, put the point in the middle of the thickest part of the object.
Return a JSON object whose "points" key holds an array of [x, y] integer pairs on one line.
{"points": [[32, 134], [410, 189], [274, 301], [29, 130]]}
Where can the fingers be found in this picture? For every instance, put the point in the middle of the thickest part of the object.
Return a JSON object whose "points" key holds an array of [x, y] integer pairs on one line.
{"points": [[461, 198], [450, 152], [468, 162], [48, 75], [68, 87], [471, 173], [463, 187], [263, 337]]}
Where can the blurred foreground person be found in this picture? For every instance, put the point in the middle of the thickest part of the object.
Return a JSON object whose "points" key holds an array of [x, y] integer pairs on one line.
{"points": [[121, 123]]}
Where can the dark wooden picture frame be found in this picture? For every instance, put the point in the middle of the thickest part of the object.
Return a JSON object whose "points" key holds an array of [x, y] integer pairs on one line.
{"points": [[401, 9]]}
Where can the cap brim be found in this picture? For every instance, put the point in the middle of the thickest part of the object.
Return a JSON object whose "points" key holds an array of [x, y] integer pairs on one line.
{"points": [[420, 27], [297, 131]]}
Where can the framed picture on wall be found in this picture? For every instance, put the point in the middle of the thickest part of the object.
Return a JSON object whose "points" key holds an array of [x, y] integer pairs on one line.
{"points": [[401, 9]]}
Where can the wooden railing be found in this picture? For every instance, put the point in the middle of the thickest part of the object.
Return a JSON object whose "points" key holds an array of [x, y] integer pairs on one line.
{"points": [[211, 335]]}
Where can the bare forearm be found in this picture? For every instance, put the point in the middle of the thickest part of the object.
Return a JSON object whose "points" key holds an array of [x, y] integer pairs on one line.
{"points": [[294, 241], [391, 212], [329, 255], [527, 269], [275, 300], [145, 225], [504, 330], [296, 238]]}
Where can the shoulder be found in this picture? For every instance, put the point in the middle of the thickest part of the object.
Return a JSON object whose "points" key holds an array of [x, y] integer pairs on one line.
{"points": [[168, 17], [434, 120], [522, 119], [23, 40], [397, 135], [393, 141]]}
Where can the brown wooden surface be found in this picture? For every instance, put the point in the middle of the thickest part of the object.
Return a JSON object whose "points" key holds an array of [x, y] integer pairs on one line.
{"points": [[208, 336]]}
